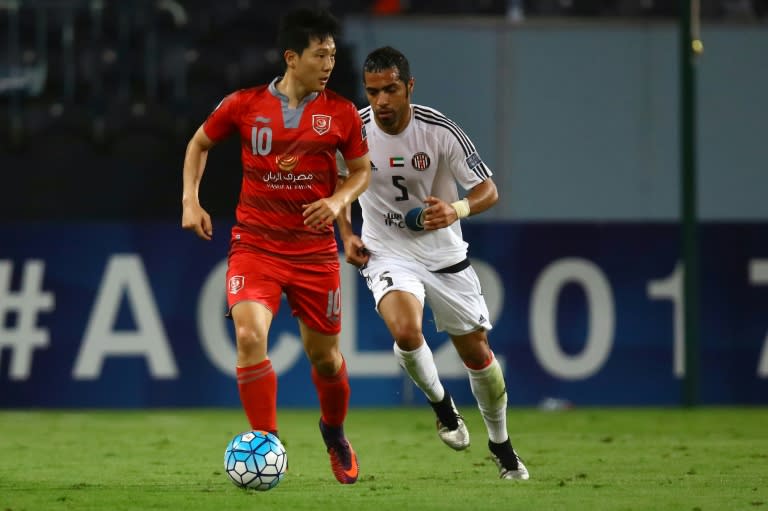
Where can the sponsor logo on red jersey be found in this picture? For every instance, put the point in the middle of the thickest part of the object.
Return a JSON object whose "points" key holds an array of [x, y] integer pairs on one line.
{"points": [[286, 162]]}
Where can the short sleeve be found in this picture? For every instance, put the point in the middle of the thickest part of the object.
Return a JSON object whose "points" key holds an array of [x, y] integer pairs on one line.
{"points": [[355, 143], [221, 122], [465, 163]]}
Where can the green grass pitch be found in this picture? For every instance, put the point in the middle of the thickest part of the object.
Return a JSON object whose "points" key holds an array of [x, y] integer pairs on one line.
{"points": [[590, 458]]}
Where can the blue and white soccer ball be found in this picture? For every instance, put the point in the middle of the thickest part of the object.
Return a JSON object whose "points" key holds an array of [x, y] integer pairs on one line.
{"points": [[414, 219], [255, 460]]}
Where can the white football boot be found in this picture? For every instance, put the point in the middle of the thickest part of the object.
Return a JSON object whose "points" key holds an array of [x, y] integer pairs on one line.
{"points": [[458, 437], [508, 462]]}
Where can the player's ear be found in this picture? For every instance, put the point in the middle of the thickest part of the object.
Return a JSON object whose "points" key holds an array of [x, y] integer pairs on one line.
{"points": [[290, 58], [411, 82]]}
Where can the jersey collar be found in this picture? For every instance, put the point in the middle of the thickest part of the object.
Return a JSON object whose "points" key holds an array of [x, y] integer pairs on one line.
{"points": [[284, 99]]}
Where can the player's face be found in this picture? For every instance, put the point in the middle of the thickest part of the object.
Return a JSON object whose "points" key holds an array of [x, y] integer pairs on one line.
{"points": [[313, 67], [389, 98]]}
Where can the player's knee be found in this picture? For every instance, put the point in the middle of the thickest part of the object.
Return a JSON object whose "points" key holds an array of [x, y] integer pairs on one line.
{"points": [[248, 340], [407, 337], [325, 364]]}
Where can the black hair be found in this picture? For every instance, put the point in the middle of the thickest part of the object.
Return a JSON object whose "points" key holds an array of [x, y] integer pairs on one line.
{"points": [[300, 26], [385, 58]]}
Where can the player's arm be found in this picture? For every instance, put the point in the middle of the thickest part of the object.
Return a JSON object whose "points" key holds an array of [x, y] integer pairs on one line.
{"points": [[482, 196], [357, 180], [441, 214], [194, 217], [355, 252], [321, 214], [344, 220]]}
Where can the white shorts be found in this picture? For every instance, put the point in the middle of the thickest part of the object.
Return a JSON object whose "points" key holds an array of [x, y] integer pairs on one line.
{"points": [[456, 299]]}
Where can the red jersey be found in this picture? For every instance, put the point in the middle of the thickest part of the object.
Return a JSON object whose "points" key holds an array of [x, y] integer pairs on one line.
{"points": [[289, 160]]}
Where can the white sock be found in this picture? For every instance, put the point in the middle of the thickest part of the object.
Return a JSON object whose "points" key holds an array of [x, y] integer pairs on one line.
{"points": [[421, 367], [490, 391]]}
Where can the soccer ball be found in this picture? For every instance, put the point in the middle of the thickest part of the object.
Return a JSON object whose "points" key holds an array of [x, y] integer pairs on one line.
{"points": [[414, 219], [255, 460]]}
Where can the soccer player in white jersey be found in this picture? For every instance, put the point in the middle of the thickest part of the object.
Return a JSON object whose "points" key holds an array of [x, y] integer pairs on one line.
{"points": [[418, 156]]}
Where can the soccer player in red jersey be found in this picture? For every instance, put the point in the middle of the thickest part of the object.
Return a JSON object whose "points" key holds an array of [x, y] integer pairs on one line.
{"points": [[283, 240]]}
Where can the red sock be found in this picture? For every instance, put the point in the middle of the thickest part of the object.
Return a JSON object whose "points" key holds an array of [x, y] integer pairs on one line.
{"points": [[258, 393], [333, 394]]}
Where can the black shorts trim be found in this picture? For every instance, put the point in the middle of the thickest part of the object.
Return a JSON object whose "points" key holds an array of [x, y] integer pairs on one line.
{"points": [[454, 268]]}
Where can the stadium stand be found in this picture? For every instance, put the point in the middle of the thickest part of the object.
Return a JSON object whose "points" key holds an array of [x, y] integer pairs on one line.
{"points": [[106, 93]]}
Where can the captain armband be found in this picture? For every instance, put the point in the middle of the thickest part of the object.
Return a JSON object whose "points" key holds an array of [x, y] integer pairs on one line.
{"points": [[461, 207]]}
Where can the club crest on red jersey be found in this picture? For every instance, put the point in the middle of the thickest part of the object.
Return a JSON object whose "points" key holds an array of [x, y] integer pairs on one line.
{"points": [[321, 123], [236, 283]]}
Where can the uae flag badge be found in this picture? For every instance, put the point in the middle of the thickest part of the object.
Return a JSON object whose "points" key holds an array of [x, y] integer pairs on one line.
{"points": [[396, 161]]}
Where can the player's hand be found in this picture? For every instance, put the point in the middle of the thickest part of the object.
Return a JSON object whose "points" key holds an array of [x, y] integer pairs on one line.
{"points": [[320, 215], [195, 218], [355, 251], [438, 214]]}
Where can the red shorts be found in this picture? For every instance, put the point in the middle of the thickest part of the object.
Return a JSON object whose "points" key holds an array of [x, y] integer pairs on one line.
{"points": [[313, 290]]}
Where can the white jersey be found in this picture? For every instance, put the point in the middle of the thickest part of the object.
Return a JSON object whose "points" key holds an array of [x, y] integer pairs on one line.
{"points": [[429, 157]]}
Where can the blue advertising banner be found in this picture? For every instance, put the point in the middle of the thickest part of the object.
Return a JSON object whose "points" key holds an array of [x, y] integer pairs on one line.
{"points": [[132, 315]]}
